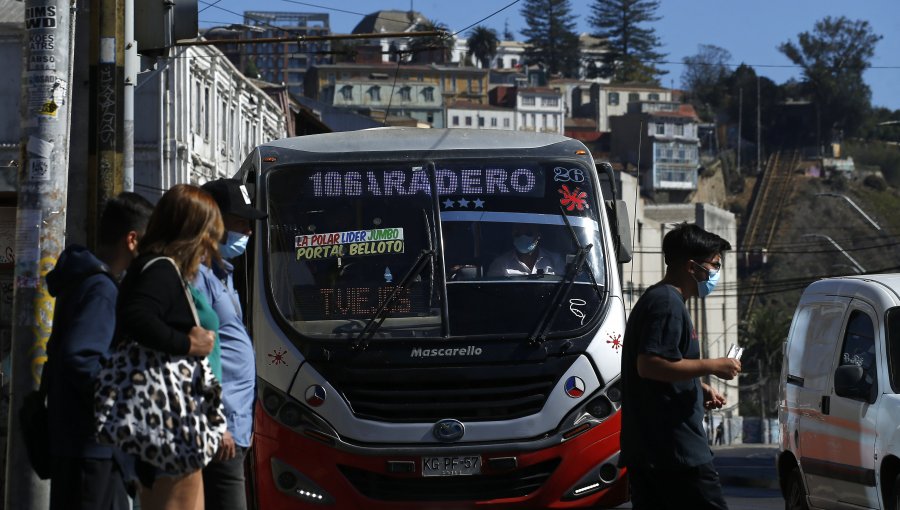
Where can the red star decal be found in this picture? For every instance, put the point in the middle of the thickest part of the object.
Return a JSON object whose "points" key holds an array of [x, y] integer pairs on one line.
{"points": [[573, 199], [278, 358], [615, 341]]}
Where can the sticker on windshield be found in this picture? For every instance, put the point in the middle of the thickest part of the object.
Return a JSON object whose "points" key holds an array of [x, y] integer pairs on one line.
{"points": [[575, 199], [561, 174], [574, 303], [353, 243]]}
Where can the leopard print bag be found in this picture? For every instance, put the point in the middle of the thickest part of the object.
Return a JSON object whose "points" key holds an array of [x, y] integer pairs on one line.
{"points": [[164, 409]]}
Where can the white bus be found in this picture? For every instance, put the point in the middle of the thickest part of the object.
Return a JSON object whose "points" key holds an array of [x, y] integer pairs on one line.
{"points": [[437, 317]]}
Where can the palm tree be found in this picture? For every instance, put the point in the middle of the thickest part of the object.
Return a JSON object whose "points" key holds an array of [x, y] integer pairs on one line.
{"points": [[482, 44], [434, 49]]}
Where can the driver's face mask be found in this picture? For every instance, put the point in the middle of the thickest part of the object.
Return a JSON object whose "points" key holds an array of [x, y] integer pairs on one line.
{"points": [[525, 243]]}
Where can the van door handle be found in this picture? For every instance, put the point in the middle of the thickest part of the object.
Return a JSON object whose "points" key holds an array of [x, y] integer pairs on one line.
{"points": [[826, 404]]}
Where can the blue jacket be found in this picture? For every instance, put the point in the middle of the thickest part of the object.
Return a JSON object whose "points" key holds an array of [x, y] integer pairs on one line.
{"points": [[238, 361], [84, 323]]}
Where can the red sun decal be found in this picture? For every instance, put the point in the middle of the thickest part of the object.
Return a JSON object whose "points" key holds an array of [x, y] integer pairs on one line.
{"points": [[571, 200]]}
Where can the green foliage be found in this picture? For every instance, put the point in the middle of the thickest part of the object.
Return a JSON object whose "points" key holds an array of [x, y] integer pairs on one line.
{"points": [[833, 57], [883, 155], [550, 33], [250, 69], [482, 44], [763, 337], [631, 46], [431, 49], [705, 76]]}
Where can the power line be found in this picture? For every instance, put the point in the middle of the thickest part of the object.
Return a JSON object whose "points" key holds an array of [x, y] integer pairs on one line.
{"points": [[498, 11]]}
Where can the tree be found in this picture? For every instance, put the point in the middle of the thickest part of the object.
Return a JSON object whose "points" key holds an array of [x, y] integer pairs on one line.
{"points": [[482, 44], [631, 47], [551, 37], [833, 58], [434, 48], [704, 75]]}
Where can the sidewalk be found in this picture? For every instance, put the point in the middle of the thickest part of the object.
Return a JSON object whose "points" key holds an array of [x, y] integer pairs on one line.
{"points": [[747, 465]]}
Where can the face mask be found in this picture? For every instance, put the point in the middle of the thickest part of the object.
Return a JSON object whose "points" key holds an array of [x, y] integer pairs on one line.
{"points": [[525, 243], [235, 245], [705, 288]]}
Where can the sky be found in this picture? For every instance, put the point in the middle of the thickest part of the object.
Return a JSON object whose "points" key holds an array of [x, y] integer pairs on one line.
{"points": [[750, 30]]}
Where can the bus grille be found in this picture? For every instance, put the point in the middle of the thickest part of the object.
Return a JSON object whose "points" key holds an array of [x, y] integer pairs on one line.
{"points": [[430, 393], [513, 484]]}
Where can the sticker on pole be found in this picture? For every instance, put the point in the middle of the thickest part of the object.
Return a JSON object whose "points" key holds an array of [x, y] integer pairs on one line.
{"points": [[39, 169]]}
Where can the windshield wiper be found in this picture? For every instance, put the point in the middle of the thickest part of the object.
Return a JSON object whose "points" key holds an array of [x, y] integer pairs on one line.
{"points": [[362, 340], [562, 290], [563, 287]]}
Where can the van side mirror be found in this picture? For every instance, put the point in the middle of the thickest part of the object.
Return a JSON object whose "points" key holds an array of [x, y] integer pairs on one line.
{"points": [[849, 382]]}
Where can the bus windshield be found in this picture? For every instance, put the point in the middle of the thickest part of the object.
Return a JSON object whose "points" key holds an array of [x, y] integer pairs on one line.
{"points": [[342, 238]]}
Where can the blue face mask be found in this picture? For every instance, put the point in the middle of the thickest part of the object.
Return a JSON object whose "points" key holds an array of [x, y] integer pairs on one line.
{"points": [[234, 246], [705, 288], [525, 243]]}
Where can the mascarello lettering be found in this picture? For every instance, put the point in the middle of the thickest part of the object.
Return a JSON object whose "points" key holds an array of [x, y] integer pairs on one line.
{"points": [[471, 350]]}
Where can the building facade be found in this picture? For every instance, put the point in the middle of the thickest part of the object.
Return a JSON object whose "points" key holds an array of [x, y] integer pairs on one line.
{"points": [[463, 114], [285, 62], [612, 99], [197, 120], [540, 109], [661, 139]]}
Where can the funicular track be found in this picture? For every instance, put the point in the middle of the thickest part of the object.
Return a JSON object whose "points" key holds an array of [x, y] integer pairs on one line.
{"points": [[772, 195]]}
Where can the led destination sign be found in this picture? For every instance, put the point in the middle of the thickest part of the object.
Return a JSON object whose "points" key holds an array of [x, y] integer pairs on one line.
{"points": [[518, 181]]}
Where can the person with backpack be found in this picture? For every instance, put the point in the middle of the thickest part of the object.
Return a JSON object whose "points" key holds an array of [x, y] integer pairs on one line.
{"points": [[84, 473]]}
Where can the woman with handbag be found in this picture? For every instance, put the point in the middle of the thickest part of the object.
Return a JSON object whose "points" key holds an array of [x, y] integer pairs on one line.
{"points": [[157, 397]]}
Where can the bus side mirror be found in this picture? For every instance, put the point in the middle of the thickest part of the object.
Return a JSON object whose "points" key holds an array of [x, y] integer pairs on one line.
{"points": [[617, 211]]}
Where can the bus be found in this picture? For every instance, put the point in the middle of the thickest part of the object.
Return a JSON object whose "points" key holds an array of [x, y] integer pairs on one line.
{"points": [[437, 318]]}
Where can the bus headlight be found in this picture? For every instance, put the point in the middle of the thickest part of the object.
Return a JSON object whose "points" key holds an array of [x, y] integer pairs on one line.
{"points": [[292, 414], [295, 484], [599, 407]]}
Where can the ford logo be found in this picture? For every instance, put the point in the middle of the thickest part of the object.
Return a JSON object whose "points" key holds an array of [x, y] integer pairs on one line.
{"points": [[449, 430]]}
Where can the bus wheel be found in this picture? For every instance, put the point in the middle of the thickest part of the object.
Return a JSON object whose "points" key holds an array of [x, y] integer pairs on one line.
{"points": [[893, 501], [794, 494]]}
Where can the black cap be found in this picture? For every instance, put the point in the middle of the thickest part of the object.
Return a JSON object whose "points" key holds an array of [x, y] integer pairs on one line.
{"points": [[233, 198]]}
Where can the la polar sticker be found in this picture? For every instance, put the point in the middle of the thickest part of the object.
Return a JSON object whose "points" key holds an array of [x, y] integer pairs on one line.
{"points": [[380, 241]]}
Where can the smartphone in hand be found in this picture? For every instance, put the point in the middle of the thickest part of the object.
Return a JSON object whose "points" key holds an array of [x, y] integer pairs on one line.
{"points": [[735, 352]]}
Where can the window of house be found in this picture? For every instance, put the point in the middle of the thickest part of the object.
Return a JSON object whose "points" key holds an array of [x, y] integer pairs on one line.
{"points": [[468, 120], [223, 113], [493, 121], [428, 93], [513, 62], [679, 129], [405, 93], [480, 121], [634, 96], [681, 154], [653, 97], [613, 98], [506, 123], [456, 120], [660, 128], [550, 101], [375, 93], [347, 92], [195, 102], [527, 100]]}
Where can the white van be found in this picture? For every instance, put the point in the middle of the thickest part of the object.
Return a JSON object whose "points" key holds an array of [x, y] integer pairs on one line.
{"points": [[839, 409]]}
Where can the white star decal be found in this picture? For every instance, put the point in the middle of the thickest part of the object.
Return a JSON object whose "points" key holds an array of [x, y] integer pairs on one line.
{"points": [[448, 203], [464, 203], [479, 203]]}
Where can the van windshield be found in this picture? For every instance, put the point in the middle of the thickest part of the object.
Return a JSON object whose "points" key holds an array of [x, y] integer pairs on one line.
{"points": [[341, 238]]}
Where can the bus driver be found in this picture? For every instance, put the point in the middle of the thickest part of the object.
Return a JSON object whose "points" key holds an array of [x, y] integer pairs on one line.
{"points": [[527, 257]]}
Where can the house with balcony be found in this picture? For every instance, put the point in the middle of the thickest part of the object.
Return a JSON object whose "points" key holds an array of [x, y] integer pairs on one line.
{"points": [[660, 138], [612, 99], [536, 108]]}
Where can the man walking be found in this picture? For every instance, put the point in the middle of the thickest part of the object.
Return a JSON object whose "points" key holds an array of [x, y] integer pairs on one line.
{"points": [[85, 474], [223, 478], [664, 445]]}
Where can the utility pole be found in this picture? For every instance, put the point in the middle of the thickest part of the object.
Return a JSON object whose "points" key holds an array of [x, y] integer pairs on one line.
{"points": [[740, 126], [758, 128], [107, 72], [131, 61], [40, 221]]}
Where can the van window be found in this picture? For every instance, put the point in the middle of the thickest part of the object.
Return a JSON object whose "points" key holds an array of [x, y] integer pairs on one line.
{"points": [[859, 347], [893, 346], [813, 338]]}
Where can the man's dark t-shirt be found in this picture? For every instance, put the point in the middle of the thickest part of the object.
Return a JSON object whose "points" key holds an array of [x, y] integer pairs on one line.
{"points": [[662, 423]]}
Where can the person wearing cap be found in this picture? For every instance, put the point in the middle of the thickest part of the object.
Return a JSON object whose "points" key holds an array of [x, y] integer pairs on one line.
{"points": [[223, 478]]}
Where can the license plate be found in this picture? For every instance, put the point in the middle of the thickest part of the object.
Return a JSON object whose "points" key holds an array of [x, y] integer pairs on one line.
{"points": [[451, 466]]}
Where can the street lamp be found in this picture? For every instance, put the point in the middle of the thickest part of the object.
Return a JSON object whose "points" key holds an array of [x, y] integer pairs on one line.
{"points": [[852, 203], [838, 247]]}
